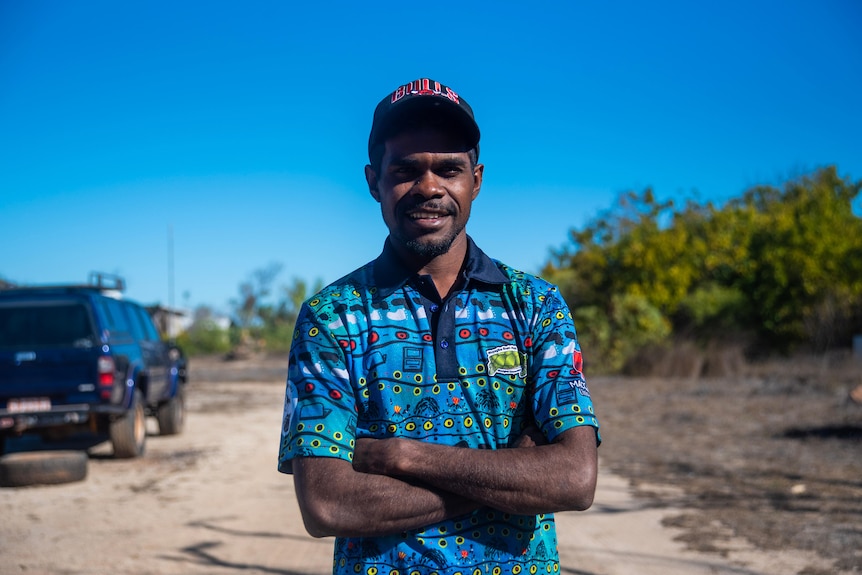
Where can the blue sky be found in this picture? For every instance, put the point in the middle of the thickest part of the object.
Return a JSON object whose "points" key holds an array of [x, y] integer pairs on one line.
{"points": [[242, 127]]}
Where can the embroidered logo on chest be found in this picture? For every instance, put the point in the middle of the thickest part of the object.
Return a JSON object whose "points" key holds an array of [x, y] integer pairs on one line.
{"points": [[507, 360]]}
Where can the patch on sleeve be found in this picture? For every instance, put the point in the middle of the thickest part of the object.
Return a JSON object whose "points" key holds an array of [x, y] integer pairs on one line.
{"points": [[578, 361], [568, 391]]}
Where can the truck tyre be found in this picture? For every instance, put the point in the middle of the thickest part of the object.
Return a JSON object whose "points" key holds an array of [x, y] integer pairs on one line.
{"points": [[172, 414], [42, 468], [129, 432]]}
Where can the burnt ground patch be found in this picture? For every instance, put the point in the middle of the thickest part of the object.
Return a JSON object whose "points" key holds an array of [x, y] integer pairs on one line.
{"points": [[843, 432], [777, 461]]}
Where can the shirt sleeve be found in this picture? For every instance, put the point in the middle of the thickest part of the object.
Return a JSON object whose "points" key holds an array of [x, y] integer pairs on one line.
{"points": [[561, 398], [319, 403]]}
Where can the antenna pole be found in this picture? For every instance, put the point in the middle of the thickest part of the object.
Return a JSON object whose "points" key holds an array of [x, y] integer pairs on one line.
{"points": [[170, 266]]}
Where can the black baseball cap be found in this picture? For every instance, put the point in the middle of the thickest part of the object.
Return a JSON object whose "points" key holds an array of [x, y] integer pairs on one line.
{"points": [[423, 97]]}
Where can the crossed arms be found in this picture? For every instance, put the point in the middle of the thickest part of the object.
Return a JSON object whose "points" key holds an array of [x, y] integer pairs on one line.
{"points": [[398, 484]]}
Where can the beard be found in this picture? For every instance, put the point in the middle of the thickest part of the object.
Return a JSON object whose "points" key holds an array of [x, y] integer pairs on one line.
{"points": [[432, 248], [423, 246]]}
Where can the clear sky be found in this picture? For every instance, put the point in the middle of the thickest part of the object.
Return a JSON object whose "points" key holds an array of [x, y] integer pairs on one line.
{"points": [[242, 126]]}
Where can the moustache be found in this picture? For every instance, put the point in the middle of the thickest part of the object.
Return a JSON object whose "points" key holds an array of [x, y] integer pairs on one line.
{"points": [[410, 205]]}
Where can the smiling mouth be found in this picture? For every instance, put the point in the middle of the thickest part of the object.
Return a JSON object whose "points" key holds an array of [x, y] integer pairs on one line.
{"points": [[428, 211], [423, 215]]}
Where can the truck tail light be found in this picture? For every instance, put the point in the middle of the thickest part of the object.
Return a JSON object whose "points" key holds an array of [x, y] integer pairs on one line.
{"points": [[106, 375]]}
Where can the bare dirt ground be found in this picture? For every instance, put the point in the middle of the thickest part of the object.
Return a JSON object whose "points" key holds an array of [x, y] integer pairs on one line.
{"points": [[756, 475], [774, 456]]}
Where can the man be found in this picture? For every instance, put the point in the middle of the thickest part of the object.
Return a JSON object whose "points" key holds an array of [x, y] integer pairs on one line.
{"points": [[436, 413]]}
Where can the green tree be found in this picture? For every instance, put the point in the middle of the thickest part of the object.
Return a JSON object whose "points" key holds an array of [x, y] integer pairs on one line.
{"points": [[263, 322], [779, 266], [279, 320], [804, 254], [252, 295]]}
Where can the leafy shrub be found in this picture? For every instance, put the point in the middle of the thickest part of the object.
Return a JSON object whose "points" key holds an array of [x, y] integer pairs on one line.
{"points": [[204, 338], [610, 338]]}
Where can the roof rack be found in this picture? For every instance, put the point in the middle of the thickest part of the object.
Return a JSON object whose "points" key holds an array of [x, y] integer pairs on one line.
{"points": [[101, 281], [111, 285]]}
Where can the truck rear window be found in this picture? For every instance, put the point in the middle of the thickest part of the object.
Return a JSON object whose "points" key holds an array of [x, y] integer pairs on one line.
{"points": [[66, 325]]}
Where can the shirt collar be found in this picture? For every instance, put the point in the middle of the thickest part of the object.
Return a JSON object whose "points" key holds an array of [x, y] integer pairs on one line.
{"points": [[390, 273]]}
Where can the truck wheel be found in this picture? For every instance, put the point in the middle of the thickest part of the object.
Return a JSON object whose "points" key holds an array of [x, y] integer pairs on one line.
{"points": [[172, 414], [129, 432], [42, 468]]}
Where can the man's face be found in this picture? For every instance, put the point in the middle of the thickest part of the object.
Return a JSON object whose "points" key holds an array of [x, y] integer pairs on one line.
{"points": [[425, 187]]}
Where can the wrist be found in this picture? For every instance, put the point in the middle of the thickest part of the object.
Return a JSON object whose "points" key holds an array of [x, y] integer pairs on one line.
{"points": [[399, 457]]}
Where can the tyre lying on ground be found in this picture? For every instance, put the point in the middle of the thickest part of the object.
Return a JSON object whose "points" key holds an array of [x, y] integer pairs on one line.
{"points": [[42, 468]]}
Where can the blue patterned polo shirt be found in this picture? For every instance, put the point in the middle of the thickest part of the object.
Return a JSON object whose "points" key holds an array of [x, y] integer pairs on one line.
{"points": [[379, 354]]}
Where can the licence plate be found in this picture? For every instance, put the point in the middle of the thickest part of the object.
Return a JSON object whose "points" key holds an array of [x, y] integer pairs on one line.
{"points": [[28, 405]]}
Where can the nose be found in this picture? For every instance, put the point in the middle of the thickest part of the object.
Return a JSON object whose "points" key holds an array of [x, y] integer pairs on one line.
{"points": [[427, 185]]}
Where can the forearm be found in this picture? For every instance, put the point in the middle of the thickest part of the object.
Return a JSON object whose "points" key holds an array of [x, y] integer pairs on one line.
{"points": [[335, 500], [542, 479], [510, 480]]}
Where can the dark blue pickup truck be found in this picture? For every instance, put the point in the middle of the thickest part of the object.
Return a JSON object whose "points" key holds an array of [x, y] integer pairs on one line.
{"points": [[81, 360]]}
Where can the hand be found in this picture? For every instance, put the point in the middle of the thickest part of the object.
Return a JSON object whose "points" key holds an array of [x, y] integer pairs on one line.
{"points": [[531, 437]]}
